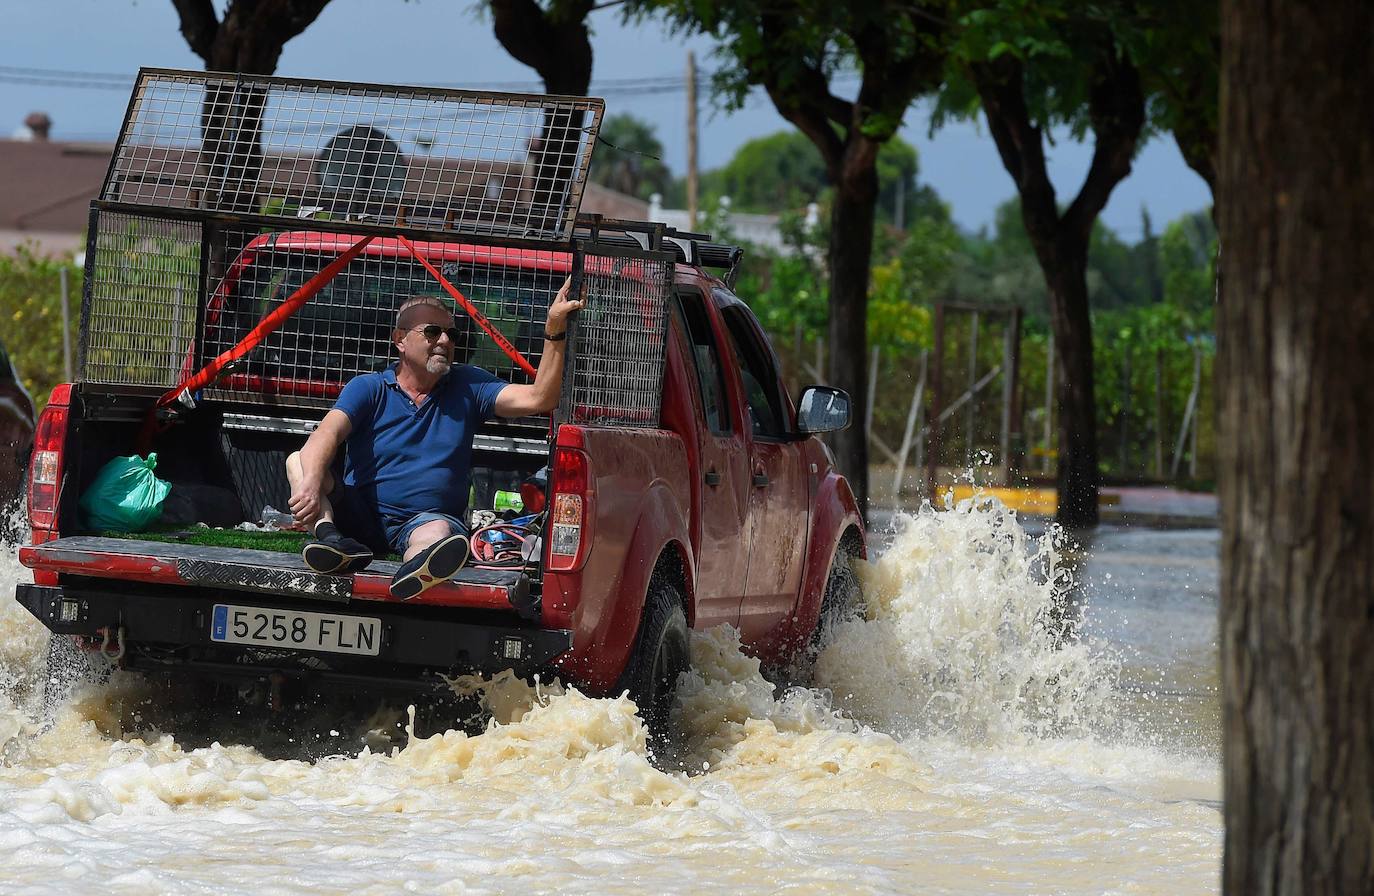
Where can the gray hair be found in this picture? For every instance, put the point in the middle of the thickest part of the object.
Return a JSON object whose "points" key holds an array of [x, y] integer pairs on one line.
{"points": [[414, 302]]}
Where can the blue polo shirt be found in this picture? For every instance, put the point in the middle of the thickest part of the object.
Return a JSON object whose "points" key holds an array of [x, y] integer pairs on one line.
{"points": [[408, 458]]}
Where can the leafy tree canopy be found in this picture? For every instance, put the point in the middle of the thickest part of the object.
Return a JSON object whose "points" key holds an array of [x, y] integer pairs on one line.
{"points": [[1174, 44], [629, 158], [785, 171]]}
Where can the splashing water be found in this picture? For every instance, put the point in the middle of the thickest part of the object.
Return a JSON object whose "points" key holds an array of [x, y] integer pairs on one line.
{"points": [[965, 634], [954, 745]]}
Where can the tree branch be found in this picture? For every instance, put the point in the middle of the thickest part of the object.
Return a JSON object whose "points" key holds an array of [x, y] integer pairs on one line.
{"points": [[1194, 124], [554, 43], [251, 35], [806, 102], [1116, 107], [891, 81], [1020, 143], [288, 17], [198, 25]]}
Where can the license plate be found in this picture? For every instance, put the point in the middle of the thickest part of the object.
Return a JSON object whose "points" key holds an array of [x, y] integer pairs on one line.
{"points": [[302, 631]]}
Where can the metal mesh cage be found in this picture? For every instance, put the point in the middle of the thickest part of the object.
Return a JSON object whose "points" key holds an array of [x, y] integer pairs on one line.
{"points": [[145, 326], [617, 375], [347, 328], [227, 194], [420, 158], [143, 282]]}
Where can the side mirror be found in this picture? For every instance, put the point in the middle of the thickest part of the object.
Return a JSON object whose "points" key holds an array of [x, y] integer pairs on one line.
{"points": [[822, 409]]}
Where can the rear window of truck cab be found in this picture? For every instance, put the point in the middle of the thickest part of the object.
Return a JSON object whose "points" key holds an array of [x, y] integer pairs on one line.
{"points": [[346, 328]]}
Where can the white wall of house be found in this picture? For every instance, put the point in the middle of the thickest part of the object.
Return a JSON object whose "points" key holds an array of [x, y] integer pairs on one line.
{"points": [[756, 230]]}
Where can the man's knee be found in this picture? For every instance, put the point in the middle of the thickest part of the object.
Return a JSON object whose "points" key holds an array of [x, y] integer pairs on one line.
{"points": [[426, 534], [295, 473]]}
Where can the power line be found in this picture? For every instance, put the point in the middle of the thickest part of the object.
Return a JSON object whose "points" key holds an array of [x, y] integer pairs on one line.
{"points": [[49, 77], [66, 73], [639, 85]]}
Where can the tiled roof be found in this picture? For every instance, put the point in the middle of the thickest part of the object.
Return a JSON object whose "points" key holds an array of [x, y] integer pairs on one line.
{"points": [[46, 187]]}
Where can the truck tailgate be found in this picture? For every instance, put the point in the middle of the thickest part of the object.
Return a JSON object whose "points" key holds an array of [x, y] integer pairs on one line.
{"points": [[265, 572]]}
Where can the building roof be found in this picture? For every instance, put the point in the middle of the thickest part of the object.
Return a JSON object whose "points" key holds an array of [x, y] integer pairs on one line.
{"points": [[46, 188]]}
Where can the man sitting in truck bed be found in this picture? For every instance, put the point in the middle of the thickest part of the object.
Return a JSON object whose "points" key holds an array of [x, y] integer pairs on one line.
{"points": [[408, 432]]}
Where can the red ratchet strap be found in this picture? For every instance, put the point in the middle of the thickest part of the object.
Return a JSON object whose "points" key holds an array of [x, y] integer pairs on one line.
{"points": [[496, 336], [266, 326]]}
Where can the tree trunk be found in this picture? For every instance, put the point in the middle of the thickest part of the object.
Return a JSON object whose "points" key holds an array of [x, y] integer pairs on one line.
{"points": [[556, 43], [1065, 268], [1116, 106], [1296, 316], [249, 39], [851, 250]]}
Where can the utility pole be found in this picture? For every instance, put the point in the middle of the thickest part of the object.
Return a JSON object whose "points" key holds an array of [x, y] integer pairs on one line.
{"points": [[691, 141]]}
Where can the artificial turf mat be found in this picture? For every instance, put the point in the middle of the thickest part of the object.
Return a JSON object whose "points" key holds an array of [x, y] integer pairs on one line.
{"points": [[283, 541]]}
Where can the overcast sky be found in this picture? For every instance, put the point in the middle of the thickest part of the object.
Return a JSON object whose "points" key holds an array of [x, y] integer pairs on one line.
{"points": [[444, 42]]}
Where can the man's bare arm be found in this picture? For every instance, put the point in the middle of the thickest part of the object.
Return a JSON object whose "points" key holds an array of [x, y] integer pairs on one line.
{"points": [[541, 396]]}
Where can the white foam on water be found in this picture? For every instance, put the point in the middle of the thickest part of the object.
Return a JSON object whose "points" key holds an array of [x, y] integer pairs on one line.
{"points": [[964, 634], [955, 745], [23, 640]]}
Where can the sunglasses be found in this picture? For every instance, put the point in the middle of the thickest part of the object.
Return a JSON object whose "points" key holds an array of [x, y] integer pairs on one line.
{"points": [[433, 331]]}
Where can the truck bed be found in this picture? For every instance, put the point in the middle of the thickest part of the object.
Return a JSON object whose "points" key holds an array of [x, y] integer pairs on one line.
{"points": [[265, 572]]}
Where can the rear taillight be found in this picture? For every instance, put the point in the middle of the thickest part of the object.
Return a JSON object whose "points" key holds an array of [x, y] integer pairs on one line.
{"points": [[570, 520], [45, 467]]}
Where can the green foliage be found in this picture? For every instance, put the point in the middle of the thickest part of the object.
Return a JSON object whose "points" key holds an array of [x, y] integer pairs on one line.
{"points": [[285, 541], [145, 291], [1131, 347], [629, 158], [1001, 266], [780, 172], [787, 291], [1058, 41], [31, 316], [911, 273], [1187, 254], [785, 171], [932, 261]]}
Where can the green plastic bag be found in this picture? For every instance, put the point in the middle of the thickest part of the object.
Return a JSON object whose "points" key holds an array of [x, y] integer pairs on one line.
{"points": [[125, 496]]}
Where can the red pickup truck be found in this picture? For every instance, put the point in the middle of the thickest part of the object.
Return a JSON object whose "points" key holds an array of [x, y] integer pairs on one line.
{"points": [[724, 510]]}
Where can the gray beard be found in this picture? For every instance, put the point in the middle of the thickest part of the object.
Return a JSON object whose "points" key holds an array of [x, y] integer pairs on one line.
{"points": [[437, 365]]}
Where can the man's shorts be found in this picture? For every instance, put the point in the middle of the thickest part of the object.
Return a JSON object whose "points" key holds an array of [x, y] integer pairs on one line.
{"points": [[358, 517]]}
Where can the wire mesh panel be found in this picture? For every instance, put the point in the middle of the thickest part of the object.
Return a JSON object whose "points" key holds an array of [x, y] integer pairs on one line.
{"points": [[422, 158], [617, 375], [143, 280], [347, 328]]}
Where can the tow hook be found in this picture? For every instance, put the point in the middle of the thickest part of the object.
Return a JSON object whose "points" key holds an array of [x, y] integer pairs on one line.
{"points": [[117, 654]]}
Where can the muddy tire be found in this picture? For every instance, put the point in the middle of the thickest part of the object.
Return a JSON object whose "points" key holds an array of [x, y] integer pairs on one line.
{"points": [[661, 654], [842, 600]]}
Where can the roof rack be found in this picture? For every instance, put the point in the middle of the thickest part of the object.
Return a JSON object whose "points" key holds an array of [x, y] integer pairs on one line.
{"points": [[688, 247]]}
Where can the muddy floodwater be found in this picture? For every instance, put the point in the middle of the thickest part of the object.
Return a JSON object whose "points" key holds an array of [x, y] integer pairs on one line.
{"points": [[988, 727]]}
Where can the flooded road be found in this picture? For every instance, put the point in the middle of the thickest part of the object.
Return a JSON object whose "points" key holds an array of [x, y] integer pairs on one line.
{"points": [[957, 742]]}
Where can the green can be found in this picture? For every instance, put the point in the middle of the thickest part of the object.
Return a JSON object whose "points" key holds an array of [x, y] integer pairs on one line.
{"points": [[507, 501]]}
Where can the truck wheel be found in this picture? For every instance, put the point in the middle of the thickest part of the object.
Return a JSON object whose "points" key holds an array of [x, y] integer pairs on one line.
{"points": [[842, 600], [661, 654]]}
